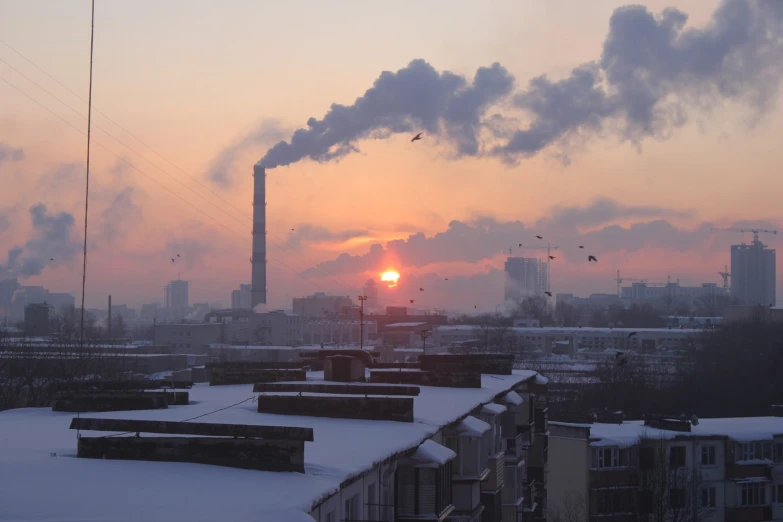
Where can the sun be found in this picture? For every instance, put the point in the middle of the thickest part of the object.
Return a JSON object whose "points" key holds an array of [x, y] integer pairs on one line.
{"points": [[391, 277]]}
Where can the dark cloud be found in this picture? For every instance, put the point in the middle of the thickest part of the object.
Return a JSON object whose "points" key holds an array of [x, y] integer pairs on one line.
{"points": [[318, 234], [51, 237], [603, 210], [10, 154], [653, 71], [483, 238], [219, 170]]}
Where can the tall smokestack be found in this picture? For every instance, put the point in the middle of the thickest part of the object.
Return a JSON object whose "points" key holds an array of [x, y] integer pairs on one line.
{"points": [[258, 277]]}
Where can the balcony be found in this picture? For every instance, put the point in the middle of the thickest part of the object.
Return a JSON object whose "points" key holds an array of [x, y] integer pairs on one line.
{"points": [[535, 474], [749, 514], [541, 420], [515, 448], [614, 477], [495, 479], [739, 471]]}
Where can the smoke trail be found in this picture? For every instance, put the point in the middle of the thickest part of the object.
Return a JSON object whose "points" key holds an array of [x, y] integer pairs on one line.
{"points": [[8, 153], [652, 71], [415, 97], [50, 238]]}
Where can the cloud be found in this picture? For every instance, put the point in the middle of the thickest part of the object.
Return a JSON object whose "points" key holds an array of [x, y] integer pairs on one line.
{"points": [[603, 210], [10, 154], [50, 242], [483, 238], [318, 234], [219, 170], [652, 72]]}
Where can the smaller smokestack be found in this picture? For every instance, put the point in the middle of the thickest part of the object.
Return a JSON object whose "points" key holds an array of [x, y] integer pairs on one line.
{"points": [[258, 276], [109, 322]]}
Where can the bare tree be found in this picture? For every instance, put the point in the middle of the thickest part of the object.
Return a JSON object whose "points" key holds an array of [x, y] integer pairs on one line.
{"points": [[573, 508]]}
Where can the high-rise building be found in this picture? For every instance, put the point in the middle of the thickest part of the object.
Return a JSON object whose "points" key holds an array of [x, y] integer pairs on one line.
{"points": [[240, 299], [753, 273], [371, 292], [525, 277], [175, 298]]}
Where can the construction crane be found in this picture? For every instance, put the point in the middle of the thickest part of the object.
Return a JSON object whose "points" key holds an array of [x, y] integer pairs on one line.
{"points": [[620, 280], [755, 231], [725, 275], [549, 247]]}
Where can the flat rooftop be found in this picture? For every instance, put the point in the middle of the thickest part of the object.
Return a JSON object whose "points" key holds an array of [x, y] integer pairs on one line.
{"points": [[40, 487], [743, 429], [586, 330]]}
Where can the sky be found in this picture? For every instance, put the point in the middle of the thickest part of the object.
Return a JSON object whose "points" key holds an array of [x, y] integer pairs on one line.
{"points": [[631, 130]]}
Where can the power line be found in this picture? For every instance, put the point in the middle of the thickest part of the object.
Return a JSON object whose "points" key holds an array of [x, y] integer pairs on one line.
{"points": [[87, 178], [282, 244], [144, 173]]}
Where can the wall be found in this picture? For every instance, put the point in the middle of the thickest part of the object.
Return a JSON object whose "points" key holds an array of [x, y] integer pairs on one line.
{"points": [[380, 479], [568, 475]]}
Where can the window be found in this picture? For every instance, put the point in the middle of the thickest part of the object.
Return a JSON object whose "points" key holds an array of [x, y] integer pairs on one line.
{"points": [[708, 497], [777, 493], [708, 455], [754, 494], [677, 498], [756, 451], [777, 454], [611, 457], [677, 457], [351, 509], [329, 517], [372, 508]]}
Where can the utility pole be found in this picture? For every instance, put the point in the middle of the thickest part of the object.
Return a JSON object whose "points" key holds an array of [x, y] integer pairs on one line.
{"points": [[362, 299], [424, 334]]}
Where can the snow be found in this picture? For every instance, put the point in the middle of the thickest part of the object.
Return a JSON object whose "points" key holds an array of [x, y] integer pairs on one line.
{"points": [[746, 429], [472, 427], [119, 491], [430, 452], [513, 397], [405, 325], [493, 409], [540, 379]]}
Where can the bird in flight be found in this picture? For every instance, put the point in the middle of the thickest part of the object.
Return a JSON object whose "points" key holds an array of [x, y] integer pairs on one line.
{"points": [[446, 279], [421, 289], [474, 306], [177, 255], [51, 259], [581, 246], [539, 237], [412, 300], [591, 258], [416, 137], [520, 245], [292, 230], [548, 293], [551, 257], [172, 259]]}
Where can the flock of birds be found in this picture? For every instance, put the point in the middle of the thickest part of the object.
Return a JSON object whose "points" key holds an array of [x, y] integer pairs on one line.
{"points": [[174, 259]]}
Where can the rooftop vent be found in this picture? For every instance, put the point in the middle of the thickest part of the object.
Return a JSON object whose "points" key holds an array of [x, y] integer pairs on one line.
{"points": [[667, 423], [345, 407], [248, 373], [489, 363], [266, 448], [343, 368], [427, 378]]}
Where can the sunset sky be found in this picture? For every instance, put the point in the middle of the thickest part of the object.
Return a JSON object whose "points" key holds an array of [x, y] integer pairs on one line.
{"points": [[208, 87]]}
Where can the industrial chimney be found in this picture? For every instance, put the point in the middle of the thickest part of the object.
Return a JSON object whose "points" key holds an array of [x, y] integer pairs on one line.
{"points": [[258, 277]]}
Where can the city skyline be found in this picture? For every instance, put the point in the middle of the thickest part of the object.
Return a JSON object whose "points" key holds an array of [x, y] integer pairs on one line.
{"points": [[646, 209]]}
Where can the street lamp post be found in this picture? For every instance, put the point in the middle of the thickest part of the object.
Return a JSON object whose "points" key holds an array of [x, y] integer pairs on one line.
{"points": [[362, 299]]}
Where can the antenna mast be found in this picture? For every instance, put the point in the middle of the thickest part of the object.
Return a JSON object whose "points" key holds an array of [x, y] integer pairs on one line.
{"points": [[87, 178]]}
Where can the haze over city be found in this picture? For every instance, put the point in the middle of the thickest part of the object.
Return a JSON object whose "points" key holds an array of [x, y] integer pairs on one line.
{"points": [[531, 125]]}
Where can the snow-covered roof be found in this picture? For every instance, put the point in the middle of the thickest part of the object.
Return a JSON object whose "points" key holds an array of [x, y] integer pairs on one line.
{"points": [[540, 379], [745, 429], [430, 452], [567, 330], [493, 408], [88, 489], [405, 325], [472, 427], [513, 397]]}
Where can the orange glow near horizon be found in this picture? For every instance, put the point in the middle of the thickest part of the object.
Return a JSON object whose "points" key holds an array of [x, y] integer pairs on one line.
{"points": [[391, 277]]}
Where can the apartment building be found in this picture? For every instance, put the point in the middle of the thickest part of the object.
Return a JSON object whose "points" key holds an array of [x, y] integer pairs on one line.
{"points": [[461, 455], [716, 470]]}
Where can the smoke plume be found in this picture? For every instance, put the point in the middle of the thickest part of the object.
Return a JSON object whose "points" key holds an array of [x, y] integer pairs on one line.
{"points": [[50, 243], [652, 73], [8, 153]]}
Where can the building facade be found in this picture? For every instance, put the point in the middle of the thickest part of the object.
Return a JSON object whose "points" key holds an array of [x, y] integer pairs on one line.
{"points": [[753, 274], [716, 470], [321, 305], [240, 299], [525, 277]]}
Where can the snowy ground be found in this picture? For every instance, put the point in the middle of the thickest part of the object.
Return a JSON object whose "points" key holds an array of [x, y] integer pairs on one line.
{"points": [[37, 487]]}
